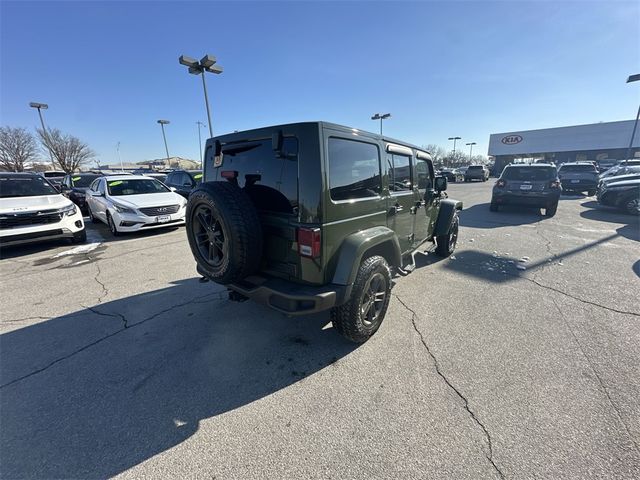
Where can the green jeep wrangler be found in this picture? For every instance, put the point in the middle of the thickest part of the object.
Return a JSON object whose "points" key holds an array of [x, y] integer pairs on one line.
{"points": [[314, 216]]}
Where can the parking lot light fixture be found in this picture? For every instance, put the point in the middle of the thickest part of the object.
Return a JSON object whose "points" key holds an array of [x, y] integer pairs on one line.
{"points": [[470, 144], [454, 144], [40, 107], [195, 67], [200, 124], [381, 117], [164, 136], [633, 78]]}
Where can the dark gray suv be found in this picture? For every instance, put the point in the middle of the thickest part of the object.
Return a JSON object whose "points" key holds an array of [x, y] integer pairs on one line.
{"points": [[535, 185]]}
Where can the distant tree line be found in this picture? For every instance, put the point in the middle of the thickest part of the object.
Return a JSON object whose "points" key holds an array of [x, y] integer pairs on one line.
{"points": [[19, 149], [442, 157]]}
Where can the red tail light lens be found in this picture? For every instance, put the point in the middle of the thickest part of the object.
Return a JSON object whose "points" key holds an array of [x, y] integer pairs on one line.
{"points": [[501, 183], [309, 242], [555, 184]]}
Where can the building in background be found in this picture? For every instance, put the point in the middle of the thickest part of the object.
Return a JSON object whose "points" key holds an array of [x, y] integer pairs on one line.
{"points": [[604, 142]]}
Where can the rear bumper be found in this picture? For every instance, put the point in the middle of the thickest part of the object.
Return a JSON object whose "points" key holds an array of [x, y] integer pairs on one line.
{"points": [[291, 298], [537, 199]]}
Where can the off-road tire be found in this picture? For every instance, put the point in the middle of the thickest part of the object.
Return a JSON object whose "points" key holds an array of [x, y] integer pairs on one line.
{"points": [[221, 218], [493, 207], [551, 210], [348, 319], [112, 226], [446, 244], [79, 237], [591, 192]]}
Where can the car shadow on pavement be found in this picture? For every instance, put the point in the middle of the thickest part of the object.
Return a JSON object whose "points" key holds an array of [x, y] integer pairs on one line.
{"points": [[479, 216], [98, 391], [601, 213]]}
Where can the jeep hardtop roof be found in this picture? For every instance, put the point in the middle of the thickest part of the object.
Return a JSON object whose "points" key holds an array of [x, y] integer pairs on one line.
{"points": [[247, 135]]}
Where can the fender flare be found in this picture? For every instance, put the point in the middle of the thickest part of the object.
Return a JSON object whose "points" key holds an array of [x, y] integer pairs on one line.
{"points": [[448, 208], [355, 246]]}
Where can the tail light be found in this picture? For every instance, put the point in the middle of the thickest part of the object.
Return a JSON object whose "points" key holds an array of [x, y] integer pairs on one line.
{"points": [[309, 242], [555, 184], [501, 183]]}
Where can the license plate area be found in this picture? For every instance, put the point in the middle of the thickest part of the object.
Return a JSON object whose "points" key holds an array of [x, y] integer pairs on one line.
{"points": [[163, 219], [575, 181], [526, 187]]}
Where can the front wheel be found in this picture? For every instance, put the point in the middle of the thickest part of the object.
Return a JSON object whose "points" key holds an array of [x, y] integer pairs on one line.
{"points": [[446, 244], [551, 210], [93, 218], [359, 318], [632, 206], [112, 225]]}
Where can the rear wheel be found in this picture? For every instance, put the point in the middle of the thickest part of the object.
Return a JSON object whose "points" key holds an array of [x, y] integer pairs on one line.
{"points": [[359, 318], [91, 216], [551, 210], [591, 192], [446, 244]]}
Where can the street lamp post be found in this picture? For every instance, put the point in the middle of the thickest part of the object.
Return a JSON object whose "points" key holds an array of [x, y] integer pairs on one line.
{"points": [[200, 124], [454, 143], [471, 144], [164, 136], [381, 117], [633, 78], [206, 64], [43, 106], [119, 158]]}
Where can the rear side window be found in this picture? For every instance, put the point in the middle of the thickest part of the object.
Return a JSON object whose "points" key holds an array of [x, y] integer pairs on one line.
{"points": [[354, 169], [529, 173]]}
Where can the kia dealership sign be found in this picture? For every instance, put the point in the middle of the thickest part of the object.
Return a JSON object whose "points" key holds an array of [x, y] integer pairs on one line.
{"points": [[511, 139], [577, 138]]}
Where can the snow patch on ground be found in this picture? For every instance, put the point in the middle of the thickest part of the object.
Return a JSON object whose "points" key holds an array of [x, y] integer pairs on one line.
{"points": [[78, 250]]}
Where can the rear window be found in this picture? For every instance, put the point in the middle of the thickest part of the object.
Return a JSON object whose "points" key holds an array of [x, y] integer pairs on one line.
{"points": [[270, 177], [529, 173], [475, 167], [578, 168], [354, 169]]}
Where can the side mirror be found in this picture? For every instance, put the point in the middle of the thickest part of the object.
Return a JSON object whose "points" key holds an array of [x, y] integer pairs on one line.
{"points": [[440, 184], [173, 189]]}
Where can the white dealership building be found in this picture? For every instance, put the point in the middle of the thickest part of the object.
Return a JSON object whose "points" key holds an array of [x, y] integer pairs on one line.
{"points": [[604, 142]]}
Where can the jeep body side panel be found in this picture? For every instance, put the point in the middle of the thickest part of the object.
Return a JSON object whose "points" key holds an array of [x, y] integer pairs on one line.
{"points": [[378, 240], [448, 208]]}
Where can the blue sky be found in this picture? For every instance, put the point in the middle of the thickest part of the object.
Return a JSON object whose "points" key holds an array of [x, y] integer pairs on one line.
{"points": [[109, 70]]}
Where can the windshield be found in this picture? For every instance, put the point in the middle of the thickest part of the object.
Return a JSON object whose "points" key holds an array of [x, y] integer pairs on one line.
{"points": [[27, 186], [475, 167], [578, 168], [119, 188], [529, 173], [83, 181]]}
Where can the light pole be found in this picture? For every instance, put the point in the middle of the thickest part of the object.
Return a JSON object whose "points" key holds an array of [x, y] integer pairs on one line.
{"points": [[206, 64], [633, 78], [454, 144], [43, 106], [200, 124], [162, 124], [471, 144], [119, 158], [381, 117]]}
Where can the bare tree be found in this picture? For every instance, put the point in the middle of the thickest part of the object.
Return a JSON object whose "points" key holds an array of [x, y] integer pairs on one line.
{"points": [[17, 146], [456, 159], [437, 152], [69, 152]]}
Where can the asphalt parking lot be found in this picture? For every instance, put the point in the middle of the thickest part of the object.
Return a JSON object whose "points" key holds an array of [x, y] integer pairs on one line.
{"points": [[518, 357]]}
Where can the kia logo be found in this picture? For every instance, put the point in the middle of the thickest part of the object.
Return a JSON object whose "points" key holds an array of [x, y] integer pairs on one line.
{"points": [[162, 209], [511, 139]]}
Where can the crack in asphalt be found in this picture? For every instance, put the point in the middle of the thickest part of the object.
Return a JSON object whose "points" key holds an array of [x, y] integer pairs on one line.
{"points": [[126, 326], [436, 364], [595, 372], [105, 291]]}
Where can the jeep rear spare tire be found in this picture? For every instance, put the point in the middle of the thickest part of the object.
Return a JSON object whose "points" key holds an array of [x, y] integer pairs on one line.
{"points": [[224, 232]]}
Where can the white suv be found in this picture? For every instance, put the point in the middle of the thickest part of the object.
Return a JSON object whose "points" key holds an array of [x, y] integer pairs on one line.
{"points": [[31, 210], [131, 203]]}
